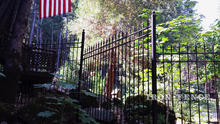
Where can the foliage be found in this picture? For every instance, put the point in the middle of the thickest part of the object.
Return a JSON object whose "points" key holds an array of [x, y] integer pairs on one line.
{"points": [[85, 95], [54, 109], [183, 30], [98, 83], [69, 68], [104, 17], [88, 93], [177, 31], [72, 91], [180, 35]]}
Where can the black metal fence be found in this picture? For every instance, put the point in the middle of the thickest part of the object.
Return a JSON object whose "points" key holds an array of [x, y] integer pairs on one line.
{"points": [[44, 60], [139, 81]]}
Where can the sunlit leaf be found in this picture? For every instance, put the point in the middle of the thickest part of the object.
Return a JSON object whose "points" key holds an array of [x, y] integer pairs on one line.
{"points": [[89, 93]]}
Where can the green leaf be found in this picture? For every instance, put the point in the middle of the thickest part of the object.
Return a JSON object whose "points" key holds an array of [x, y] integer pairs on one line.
{"points": [[50, 103], [89, 93], [165, 39], [176, 85], [144, 15], [55, 98], [45, 114], [2, 75], [67, 85], [57, 75], [70, 100], [42, 85], [144, 10]]}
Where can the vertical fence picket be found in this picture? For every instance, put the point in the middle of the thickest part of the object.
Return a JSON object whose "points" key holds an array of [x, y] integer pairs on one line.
{"points": [[215, 84], [81, 62], [154, 67]]}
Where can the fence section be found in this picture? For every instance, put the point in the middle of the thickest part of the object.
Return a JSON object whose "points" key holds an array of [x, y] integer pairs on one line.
{"points": [[43, 60], [189, 77], [114, 69], [138, 81]]}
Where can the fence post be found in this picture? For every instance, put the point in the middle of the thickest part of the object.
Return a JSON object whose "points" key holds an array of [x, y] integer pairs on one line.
{"points": [[81, 61], [154, 67]]}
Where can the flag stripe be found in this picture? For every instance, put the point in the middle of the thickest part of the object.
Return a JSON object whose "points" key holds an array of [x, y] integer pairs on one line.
{"points": [[45, 9], [59, 7], [50, 7], [56, 8], [69, 6], [40, 9], [64, 6]]}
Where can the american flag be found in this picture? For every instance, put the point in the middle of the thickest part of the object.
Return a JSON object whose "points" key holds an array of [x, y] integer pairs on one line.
{"points": [[49, 8]]}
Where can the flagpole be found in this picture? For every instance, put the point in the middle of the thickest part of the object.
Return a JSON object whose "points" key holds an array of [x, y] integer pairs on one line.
{"points": [[37, 37], [33, 23], [52, 42], [41, 32], [58, 51]]}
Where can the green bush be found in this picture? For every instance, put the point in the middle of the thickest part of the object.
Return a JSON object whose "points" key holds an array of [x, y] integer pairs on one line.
{"points": [[57, 109]]}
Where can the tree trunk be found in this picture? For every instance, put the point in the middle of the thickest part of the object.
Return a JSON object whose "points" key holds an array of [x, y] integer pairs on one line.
{"points": [[13, 24]]}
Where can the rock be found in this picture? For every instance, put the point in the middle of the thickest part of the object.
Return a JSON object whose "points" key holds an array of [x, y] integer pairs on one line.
{"points": [[87, 98], [108, 104], [138, 109], [102, 115]]}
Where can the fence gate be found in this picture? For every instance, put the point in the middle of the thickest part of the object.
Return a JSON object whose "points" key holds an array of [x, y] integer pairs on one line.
{"points": [[140, 82]]}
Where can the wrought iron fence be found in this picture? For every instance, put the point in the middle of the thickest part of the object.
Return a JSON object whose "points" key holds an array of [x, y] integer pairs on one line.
{"points": [[44, 60], [136, 79], [139, 81]]}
